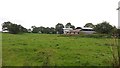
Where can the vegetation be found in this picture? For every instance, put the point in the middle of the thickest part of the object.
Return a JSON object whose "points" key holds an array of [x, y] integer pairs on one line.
{"points": [[59, 28], [89, 25], [43, 54], [56, 50], [69, 25], [89, 35], [13, 28], [43, 30], [104, 28]]}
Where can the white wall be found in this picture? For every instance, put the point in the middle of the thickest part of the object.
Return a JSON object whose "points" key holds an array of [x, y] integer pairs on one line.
{"points": [[88, 32]]}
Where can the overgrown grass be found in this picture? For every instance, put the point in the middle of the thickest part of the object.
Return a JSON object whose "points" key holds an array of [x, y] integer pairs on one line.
{"points": [[0, 50], [87, 35], [55, 50]]}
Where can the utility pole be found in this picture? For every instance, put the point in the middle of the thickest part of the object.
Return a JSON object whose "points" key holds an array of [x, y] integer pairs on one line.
{"points": [[118, 47]]}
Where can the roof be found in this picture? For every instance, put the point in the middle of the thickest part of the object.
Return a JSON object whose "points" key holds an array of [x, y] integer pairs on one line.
{"points": [[87, 28], [67, 28]]}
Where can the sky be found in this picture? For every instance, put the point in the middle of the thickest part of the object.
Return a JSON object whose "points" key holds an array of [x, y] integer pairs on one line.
{"points": [[48, 13]]}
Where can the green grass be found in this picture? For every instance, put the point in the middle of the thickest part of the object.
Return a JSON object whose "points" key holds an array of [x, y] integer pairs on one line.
{"points": [[55, 50], [0, 50]]}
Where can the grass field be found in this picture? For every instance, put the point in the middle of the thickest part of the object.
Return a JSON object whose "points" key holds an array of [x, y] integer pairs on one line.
{"points": [[55, 50]]}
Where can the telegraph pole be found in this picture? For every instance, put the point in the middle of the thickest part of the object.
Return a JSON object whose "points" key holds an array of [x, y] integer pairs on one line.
{"points": [[118, 47]]}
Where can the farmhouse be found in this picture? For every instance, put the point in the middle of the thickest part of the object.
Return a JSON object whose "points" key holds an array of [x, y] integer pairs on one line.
{"points": [[84, 30], [71, 31]]}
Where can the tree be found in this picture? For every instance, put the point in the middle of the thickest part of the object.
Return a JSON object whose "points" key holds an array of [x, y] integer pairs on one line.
{"points": [[114, 31], [22, 29], [52, 29], [35, 30], [68, 25], [59, 28], [103, 27], [45, 30], [5, 25], [33, 27], [41, 29], [89, 25], [72, 26], [118, 32], [29, 30], [13, 28]]}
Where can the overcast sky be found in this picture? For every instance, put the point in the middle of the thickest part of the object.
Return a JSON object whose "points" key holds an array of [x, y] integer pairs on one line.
{"points": [[50, 12]]}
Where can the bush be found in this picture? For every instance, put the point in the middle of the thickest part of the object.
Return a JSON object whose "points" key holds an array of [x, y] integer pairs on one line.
{"points": [[104, 28], [118, 32]]}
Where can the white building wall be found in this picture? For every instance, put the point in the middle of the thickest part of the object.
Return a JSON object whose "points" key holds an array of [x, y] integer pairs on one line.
{"points": [[88, 32]]}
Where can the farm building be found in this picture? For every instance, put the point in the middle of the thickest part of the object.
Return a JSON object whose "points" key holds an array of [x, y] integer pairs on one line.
{"points": [[71, 31], [87, 30], [5, 30], [78, 30]]}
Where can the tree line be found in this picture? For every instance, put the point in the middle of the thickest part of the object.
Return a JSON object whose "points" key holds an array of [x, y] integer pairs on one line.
{"points": [[15, 28], [102, 28]]}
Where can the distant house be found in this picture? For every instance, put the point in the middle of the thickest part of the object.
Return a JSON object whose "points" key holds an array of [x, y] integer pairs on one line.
{"points": [[71, 31], [78, 30], [5, 30], [67, 30], [87, 30]]}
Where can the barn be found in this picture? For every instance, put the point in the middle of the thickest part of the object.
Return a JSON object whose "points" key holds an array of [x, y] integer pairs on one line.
{"points": [[84, 30], [87, 30]]}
